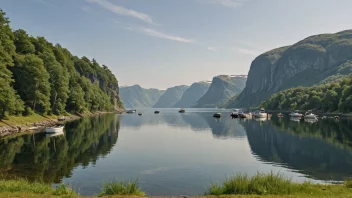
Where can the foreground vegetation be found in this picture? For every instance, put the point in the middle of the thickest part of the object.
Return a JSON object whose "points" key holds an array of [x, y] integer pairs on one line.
{"points": [[37, 76], [266, 185], [275, 184], [330, 97]]}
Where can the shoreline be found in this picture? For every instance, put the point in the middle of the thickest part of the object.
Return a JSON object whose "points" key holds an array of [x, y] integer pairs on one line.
{"points": [[7, 128], [347, 115]]}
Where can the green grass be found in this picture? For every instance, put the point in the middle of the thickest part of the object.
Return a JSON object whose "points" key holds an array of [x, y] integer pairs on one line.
{"points": [[122, 188], [274, 184], [18, 186], [25, 120]]}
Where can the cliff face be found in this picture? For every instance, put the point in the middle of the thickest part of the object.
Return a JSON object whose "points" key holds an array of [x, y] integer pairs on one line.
{"points": [[222, 89], [311, 61], [137, 97], [171, 97], [192, 94]]}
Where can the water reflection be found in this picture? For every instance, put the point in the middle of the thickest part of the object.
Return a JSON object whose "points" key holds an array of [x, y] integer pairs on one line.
{"points": [[50, 158], [197, 121], [175, 154], [320, 150]]}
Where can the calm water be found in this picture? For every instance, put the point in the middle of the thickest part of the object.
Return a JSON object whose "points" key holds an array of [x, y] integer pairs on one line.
{"points": [[179, 154]]}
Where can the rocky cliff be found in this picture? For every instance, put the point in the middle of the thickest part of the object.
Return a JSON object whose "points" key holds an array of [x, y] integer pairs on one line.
{"points": [[171, 97], [222, 88], [311, 61], [193, 94], [137, 97]]}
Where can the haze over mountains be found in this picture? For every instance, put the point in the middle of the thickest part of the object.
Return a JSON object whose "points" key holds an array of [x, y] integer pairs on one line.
{"points": [[200, 94]]}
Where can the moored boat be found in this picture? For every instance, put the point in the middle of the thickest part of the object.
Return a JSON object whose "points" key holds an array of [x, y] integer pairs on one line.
{"points": [[131, 111], [296, 114], [62, 118], [235, 113], [140, 113], [310, 115], [280, 115], [260, 114], [55, 129], [217, 115], [156, 112], [182, 111]]}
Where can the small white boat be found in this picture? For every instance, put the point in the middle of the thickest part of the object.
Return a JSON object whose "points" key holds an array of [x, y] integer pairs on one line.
{"points": [[296, 119], [296, 114], [260, 114], [62, 118], [310, 115], [55, 134], [55, 129]]}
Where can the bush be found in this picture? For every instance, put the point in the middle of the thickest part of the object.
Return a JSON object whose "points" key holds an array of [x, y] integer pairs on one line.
{"points": [[121, 188]]}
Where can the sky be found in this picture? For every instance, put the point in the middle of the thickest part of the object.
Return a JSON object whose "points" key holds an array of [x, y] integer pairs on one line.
{"points": [[164, 43]]}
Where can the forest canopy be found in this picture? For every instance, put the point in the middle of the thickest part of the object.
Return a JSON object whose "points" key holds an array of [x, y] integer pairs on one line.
{"points": [[37, 76], [330, 97]]}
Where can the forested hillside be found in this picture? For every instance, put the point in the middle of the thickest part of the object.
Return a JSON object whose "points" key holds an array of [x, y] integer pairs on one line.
{"points": [[330, 97], [37, 76]]}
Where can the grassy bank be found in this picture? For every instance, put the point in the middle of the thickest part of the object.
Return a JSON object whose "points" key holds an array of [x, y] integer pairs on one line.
{"points": [[260, 185], [276, 184], [23, 188], [12, 121]]}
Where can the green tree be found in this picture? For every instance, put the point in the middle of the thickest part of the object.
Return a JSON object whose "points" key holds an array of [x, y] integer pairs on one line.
{"points": [[32, 82], [23, 43]]}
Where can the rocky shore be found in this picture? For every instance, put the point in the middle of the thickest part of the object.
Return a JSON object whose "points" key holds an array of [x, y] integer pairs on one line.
{"points": [[46, 122]]}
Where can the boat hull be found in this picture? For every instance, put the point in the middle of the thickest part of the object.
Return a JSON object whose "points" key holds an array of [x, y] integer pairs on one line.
{"points": [[54, 130]]}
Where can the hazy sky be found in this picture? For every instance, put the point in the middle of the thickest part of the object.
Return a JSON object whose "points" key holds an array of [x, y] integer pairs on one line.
{"points": [[163, 43]]}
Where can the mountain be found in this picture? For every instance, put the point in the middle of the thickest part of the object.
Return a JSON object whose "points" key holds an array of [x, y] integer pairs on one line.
{"points": [[171, 97], [137, 97], [314, 60], [193, 94], [222, 88]]}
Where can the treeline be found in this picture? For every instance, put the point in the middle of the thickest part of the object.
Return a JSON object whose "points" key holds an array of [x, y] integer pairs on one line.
{"points": [[330, 97], [37, 76]]}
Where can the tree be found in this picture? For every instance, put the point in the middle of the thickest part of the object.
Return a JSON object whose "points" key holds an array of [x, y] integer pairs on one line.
{"points": [[23, 43], [32, 82]]}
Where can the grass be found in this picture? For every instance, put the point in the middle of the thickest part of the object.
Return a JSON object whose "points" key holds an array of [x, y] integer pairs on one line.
{"points": [[24, 120], [18, 187], [122, 188], [240, 185], [275, 184]]}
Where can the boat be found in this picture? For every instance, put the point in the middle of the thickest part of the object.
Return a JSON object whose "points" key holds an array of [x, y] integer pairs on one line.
{"points": [[242, 115], [310, 115], [55, 129], [235, 113], [62, 118], [260, 114], [296, 114], [55, 134], [140, 113], [131, 111], [156, 112], [296, 119], [217, 115], [182, 111], [280, 115]]}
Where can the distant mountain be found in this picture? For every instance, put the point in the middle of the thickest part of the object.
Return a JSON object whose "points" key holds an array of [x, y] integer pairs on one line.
{"points": [[193, 94], [171, 97], [137, 97], [222, 88], [317, 59]]}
